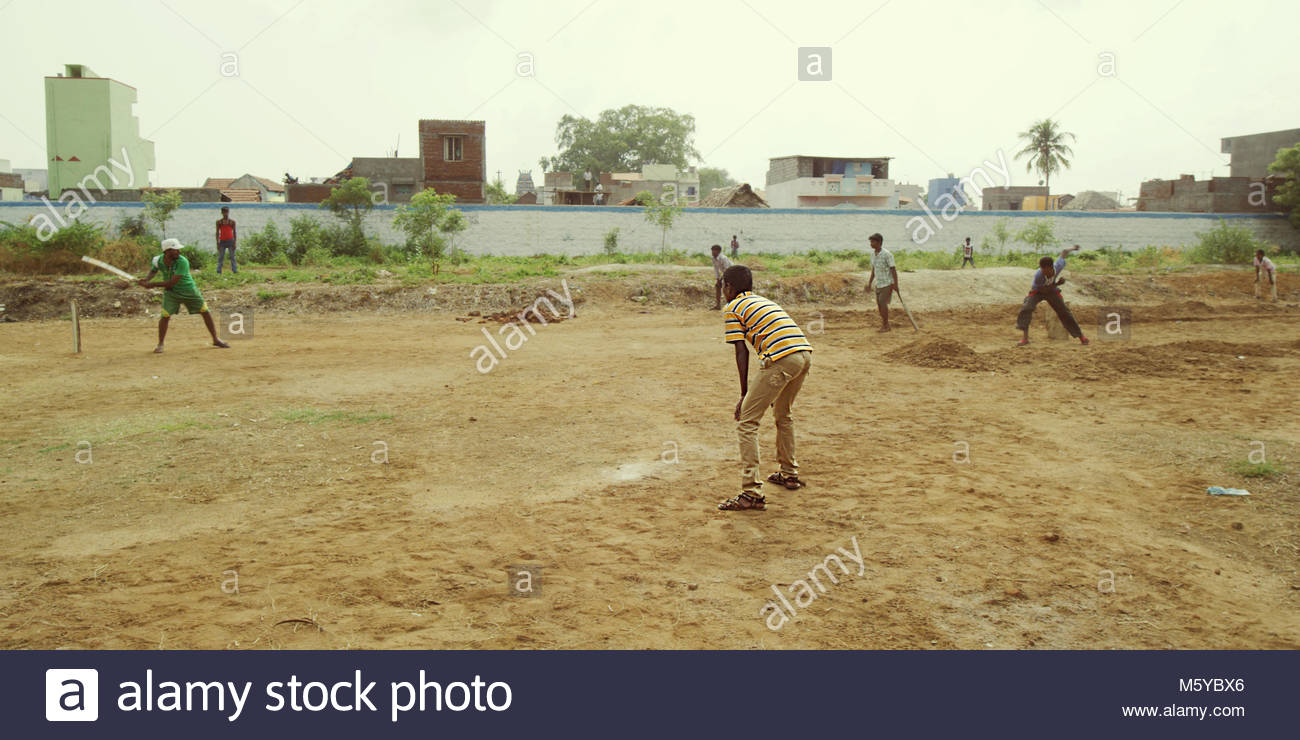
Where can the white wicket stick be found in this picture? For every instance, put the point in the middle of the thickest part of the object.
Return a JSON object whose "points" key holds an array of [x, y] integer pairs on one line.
{"points": [[104, 265], [76, 330]]}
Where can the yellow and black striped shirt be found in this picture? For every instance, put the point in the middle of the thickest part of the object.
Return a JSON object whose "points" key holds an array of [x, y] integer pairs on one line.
{"points": [[768, 328]]}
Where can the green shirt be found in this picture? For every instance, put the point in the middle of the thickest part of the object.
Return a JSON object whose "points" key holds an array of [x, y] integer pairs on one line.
{"points": [[185, 287]]}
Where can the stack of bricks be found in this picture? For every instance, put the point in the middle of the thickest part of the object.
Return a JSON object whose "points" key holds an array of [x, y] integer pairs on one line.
{"points": [[464, 178]]}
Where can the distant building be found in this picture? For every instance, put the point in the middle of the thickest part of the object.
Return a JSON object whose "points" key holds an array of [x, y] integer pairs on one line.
{"points": [[1253, 153], [1010, 197], [734, 196], [89, 122], [524, 185], [454, 158], [941, 186], [826, 182], [247, 189], [909, 196], [396, 179], [34, 181], [11, 185], [663, 180], [1216, 195]]}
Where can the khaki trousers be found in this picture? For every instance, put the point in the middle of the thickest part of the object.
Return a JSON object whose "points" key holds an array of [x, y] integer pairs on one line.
{"points": [[777, 385]]}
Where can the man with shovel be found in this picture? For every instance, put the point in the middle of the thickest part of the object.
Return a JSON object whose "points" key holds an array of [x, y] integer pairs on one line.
{"points": [[885, 276]]}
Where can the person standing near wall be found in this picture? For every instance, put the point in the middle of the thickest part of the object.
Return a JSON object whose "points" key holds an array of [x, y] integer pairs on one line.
{"points": [[226, 237], [735, 246], [967, 254]]}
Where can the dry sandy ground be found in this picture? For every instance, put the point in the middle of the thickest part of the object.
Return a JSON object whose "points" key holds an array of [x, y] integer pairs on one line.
{"points": [[598, 450]]}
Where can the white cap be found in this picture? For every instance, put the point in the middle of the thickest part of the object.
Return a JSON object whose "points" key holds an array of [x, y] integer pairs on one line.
{"points": [[171, 244]]}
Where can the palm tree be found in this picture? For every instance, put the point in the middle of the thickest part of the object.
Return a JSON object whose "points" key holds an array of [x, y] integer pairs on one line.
{"points": [[1046, 148]]}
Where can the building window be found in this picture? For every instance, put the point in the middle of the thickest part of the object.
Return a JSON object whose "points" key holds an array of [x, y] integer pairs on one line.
{"points": [[453, 148]]}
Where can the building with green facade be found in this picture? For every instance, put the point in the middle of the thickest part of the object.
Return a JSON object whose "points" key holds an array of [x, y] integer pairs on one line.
{"points": [[92, 136]]}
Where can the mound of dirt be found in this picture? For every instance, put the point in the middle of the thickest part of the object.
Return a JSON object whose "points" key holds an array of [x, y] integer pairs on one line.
{"points": [[940, 353]]}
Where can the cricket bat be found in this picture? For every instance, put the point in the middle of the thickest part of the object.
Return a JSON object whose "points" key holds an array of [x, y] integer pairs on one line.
{"points": [[909, 313], [104, 265]]}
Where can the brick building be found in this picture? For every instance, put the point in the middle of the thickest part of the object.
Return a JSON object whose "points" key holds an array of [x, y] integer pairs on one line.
{"points": [[1216, 195], [454, 157]]}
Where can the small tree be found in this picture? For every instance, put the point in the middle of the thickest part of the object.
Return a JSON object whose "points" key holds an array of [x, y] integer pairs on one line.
{"points": [[161, 206], [611, 241], [1039, 233], [497, 195], [351, 202], [661, 212], [429, 223], [1287, 164]]}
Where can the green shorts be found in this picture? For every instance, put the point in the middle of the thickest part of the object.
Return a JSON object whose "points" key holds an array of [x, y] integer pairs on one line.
{"points": [[172, 303]]}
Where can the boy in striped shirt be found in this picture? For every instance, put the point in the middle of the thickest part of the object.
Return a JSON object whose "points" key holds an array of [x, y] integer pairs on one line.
{"points": [[784, 356]]}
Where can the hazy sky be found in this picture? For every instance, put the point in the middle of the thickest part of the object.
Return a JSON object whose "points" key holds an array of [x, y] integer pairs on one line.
{"points": [[938, 85]]}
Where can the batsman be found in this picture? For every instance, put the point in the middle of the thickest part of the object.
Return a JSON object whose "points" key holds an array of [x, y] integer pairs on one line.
{"points": [[178, 288]]}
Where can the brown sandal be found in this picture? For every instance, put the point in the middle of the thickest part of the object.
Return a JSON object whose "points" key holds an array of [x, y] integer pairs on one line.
{"points": [[744, 502], [791, 482]]}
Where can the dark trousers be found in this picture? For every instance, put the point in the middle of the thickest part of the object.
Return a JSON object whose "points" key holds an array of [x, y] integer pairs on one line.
{"points": [[964, 260], [222, 247], [1054, 299]]}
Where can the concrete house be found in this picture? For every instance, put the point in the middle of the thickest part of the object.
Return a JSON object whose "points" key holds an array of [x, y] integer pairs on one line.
{"points": [[827, 182]]}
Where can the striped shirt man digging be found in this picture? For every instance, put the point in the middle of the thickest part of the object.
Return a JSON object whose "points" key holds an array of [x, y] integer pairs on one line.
{"points": [[784, 358]]}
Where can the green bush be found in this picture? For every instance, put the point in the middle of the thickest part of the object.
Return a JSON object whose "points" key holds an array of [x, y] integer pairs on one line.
{"points": [[196, 258], [134, 227], [304, 236], [343, 240], [1226, 244], [316, 257], [611, 241], [264, 247]]}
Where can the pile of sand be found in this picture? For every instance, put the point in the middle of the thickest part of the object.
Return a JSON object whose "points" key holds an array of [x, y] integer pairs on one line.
{"points": [[1091, 200], [940, 353]]}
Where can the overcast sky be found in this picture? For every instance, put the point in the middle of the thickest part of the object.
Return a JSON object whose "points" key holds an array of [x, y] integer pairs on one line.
{"points": [[939, 86]]}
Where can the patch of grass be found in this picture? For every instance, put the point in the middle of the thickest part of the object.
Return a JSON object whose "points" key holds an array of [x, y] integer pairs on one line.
{"points": [[182, 424], [55, 448], [317, 416], [230, 279], [1248, 469], [270, 295]]}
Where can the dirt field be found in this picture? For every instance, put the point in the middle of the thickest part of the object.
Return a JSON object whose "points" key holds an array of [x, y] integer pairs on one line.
{"points": [[598, 449]]}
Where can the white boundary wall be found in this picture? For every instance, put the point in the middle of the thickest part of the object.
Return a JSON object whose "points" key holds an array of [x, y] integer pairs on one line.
{"points": [[526, 230]]}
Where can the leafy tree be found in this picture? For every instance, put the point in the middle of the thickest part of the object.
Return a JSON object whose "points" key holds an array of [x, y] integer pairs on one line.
{"points": [[1046, 149], [661, 212], [1000, 234], [621, 140], [1287, 164], [1039, 233], [350, 202], [161, 206], [429, 222], [712, 178], [496, 193]]}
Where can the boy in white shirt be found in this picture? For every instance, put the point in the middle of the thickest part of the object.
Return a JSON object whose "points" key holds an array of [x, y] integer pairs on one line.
{"points": [[1264, 268]]}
